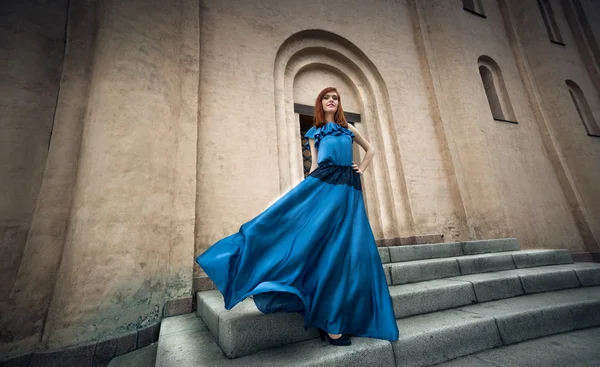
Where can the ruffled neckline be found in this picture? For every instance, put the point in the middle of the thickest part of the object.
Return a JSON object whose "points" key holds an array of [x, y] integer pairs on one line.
{"points": [[330, 128]]}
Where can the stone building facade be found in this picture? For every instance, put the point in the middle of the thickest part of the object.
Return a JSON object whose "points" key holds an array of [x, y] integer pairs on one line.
{"points": [[136, 133]]}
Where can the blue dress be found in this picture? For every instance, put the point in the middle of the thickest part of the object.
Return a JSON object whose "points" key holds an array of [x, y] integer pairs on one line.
{"points": [[312, 251]]}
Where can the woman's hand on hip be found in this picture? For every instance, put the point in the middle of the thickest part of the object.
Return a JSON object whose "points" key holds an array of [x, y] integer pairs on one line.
{"points": [[356, 168]]}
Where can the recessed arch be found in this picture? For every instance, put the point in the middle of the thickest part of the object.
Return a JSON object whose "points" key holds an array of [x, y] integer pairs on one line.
{"points": [[550, 21], [583, 108], [385, 185], [495, 89]]}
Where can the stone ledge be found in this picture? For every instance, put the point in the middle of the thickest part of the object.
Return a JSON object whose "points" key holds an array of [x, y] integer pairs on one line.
{"points": [[445, 267], [176, 307], [450, 334], [194, 345], [422, 239], [94, 354]]}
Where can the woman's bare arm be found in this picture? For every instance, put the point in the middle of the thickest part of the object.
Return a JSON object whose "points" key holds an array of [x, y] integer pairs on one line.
{"points": [[370, 150]]}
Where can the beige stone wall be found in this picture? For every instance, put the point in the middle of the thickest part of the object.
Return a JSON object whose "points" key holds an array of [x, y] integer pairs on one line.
{"points": [[381, 63], [549, 66], [131, 207], [508, 183], [112, 237]]}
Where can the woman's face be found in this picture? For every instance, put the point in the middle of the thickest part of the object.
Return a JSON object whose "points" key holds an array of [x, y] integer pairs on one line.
{"points": [[330, 102]]}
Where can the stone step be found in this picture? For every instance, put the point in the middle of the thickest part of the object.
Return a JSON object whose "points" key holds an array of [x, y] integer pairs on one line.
{"points": [[447, 249], [424, 340], [441, 336], [435, 295], [185, 341], [573, 348], [244, 329], [422, 270]]}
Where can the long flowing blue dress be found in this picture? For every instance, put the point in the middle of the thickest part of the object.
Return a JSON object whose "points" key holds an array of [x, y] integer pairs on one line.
{"points": [[312, 251]]}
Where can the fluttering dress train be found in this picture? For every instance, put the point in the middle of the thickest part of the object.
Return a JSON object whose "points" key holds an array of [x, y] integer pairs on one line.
{"points": [[312, 251]]}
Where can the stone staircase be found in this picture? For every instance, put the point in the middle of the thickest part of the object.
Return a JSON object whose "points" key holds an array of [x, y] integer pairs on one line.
{"points": [[450, 300]]}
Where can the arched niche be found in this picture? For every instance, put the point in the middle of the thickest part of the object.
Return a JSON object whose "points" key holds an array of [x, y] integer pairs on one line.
{"points": [[495, 89], [317, 51], [583, 109]]}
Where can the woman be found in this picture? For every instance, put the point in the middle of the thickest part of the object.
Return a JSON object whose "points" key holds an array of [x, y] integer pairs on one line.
{"points": [[313, 250]]}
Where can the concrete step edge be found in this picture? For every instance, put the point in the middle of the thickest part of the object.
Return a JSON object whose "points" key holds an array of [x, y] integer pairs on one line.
{"points": [[442, 294], [424, 339], [196, 346], [466, 330], [446, 249], [435, 296], [430, 269]]}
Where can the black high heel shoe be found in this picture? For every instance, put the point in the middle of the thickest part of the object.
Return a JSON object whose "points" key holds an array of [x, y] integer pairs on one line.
{"points": [[341, 341]]}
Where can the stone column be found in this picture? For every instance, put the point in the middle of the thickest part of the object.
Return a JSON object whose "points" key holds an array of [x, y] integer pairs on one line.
{"points": [[125, 223]]}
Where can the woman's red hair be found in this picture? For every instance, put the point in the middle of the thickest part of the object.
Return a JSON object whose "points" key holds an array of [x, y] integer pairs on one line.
{"points": [[319, 114]]}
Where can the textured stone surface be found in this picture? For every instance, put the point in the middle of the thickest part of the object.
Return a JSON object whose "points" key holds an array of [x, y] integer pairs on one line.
{"points": [[511, 283], [450, 334], [492, 245], [493, 286], [421, 252], [588, 274], [139, 120], [105, 351], [79, 356], [182, 323], [575, 348], [430, 296], [209, 306], [203, 283], [485, 263], [384, 254], [178, 307], [244, 329], [126, 343], [143, 357], [549, 280], [530, 258], [417, 271], [196, 347], [148, 335], [537, 315], [411, 240]]}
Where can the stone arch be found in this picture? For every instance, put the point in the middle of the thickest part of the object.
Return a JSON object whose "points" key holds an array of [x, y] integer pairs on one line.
{"points": [[495, 89], [550, 21], [583, 108], [385, 186]]}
